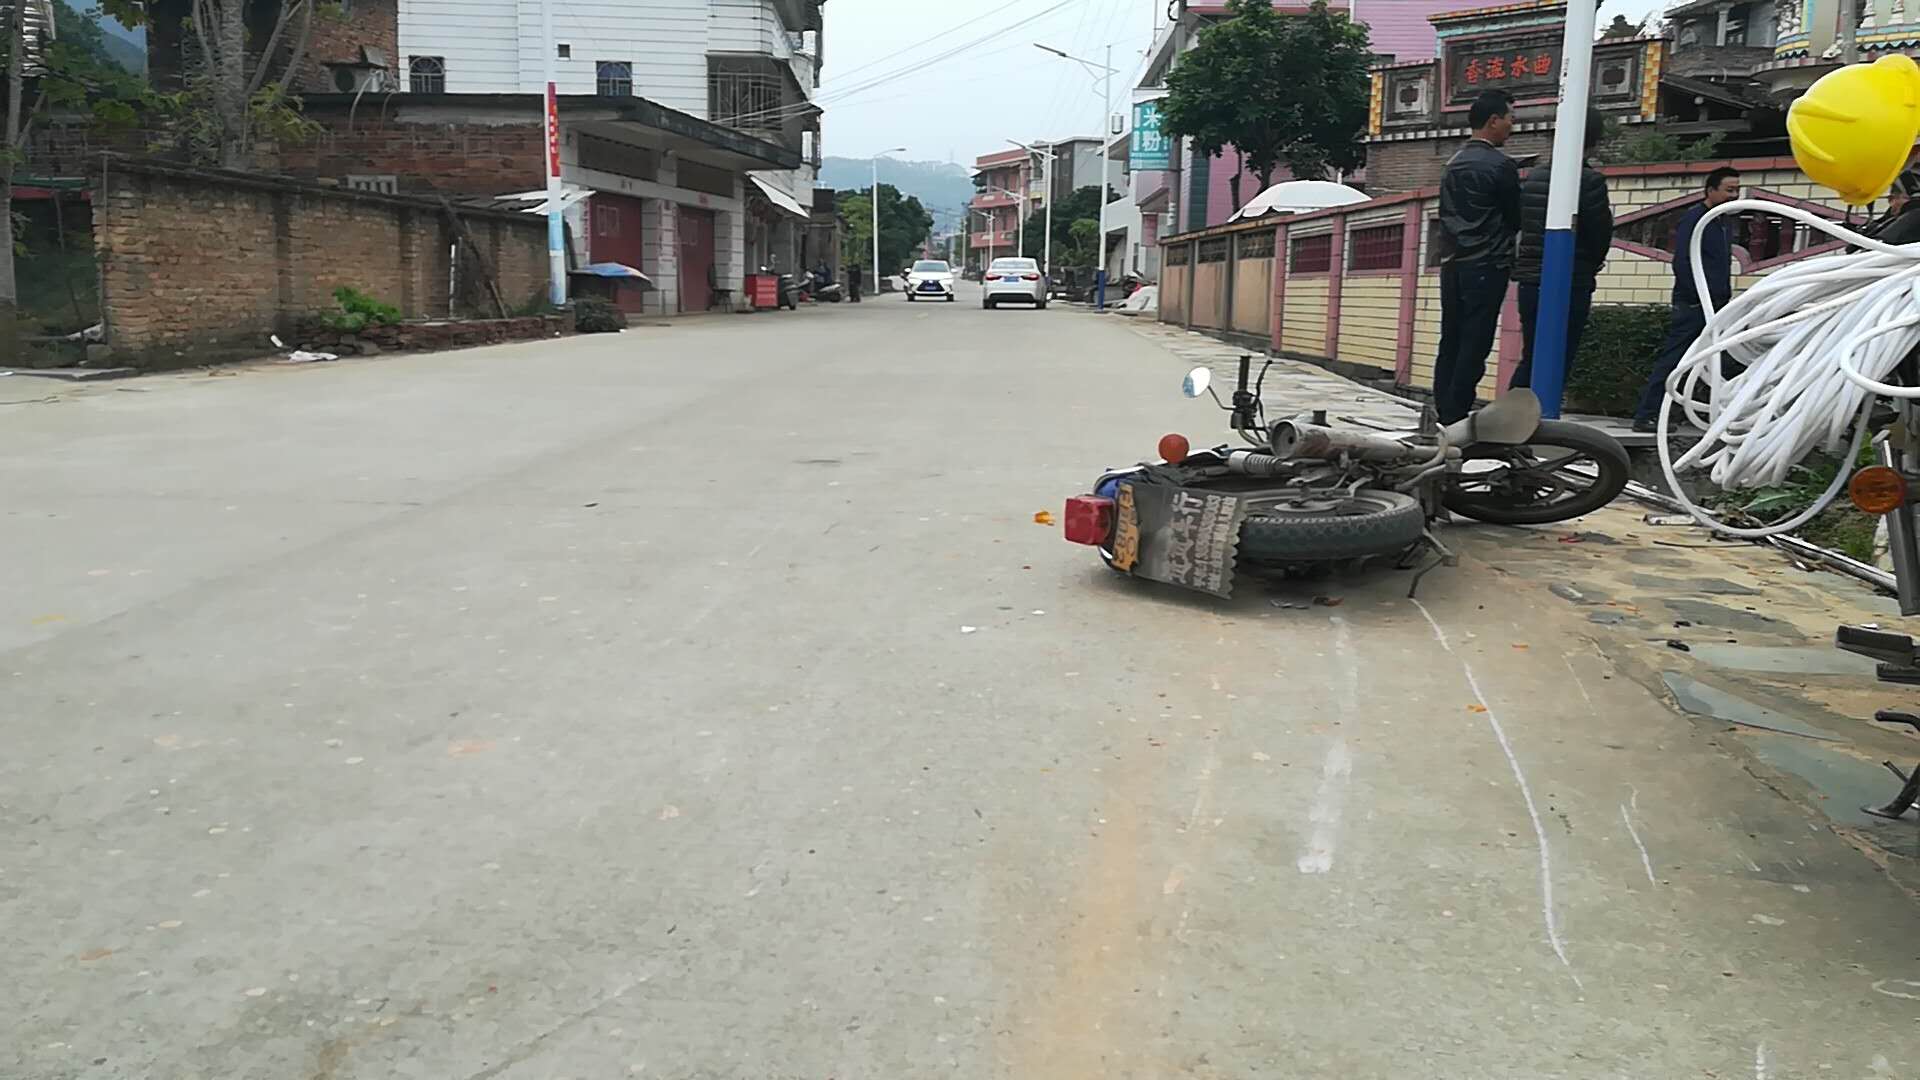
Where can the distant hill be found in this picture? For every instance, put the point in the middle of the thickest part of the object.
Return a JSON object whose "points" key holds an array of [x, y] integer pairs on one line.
{"points": [[942, 187]]}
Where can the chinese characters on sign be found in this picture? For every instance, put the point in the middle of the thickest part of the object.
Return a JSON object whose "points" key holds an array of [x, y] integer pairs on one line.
{"points": [[1525, 67], [1148, 149], [1501, 69]]}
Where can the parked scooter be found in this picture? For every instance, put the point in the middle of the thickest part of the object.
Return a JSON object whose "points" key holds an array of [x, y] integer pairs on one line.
{"points": [[825, 289], [1310, 495]]}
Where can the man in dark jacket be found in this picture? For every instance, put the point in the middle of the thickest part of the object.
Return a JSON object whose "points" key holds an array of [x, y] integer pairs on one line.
{"points": [[853, 282], [1689, 317], [1592, 236], [1479, 216]]}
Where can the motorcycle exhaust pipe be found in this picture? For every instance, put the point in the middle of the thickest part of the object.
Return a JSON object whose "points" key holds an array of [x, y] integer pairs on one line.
{"points": [[1294, 440]]}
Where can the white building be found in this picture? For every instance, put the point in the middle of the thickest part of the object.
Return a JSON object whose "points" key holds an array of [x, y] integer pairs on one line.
{"points": [[748, 65]]}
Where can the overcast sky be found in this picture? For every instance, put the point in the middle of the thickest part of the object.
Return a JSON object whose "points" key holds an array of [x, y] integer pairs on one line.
{"points": [[889, 80]]}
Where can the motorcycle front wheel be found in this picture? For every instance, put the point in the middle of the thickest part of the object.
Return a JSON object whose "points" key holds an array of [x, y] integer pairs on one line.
{"points": [[1565, 470]]}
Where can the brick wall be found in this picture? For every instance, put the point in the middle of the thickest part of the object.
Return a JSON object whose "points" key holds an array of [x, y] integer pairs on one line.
{"points": [[345, 38], [456, 158], [193, 259], [1395, 167]]}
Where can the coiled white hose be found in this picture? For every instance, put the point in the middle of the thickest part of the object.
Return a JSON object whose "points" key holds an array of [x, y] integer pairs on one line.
{"points": [[1818, 336]]}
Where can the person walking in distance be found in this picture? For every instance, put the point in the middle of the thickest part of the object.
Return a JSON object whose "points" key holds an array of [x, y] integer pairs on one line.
{"points": [[853, 282], [1479, 218], [1592, 236], [1689, 317]]}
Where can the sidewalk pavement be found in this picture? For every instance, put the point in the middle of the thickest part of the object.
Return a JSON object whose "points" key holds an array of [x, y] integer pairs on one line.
{"points": [[1737, 636]]}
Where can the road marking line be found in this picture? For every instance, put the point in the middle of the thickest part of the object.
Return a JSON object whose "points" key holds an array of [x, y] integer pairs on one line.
{"points": [[1760, 1062], [1325, 814], [1635, 833], [1526, 794]]}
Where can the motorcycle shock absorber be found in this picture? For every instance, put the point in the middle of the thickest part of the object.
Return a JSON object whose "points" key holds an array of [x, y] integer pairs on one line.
{"points": [[1244, 418]]}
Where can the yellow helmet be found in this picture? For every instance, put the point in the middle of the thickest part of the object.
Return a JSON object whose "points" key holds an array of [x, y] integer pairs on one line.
{"points": [[1854, 128]]}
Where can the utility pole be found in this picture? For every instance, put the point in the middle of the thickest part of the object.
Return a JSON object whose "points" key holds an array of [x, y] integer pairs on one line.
{"points": [[1106, 123], [556, 226], [876, 210], [1849, 27], [1563, 195]]}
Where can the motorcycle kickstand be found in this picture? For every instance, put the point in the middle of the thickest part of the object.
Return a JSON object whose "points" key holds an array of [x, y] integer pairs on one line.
{"points": [[1909, 794], [1446, 558]]}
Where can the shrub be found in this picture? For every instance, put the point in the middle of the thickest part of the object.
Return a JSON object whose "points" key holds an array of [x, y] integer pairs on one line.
{"points": [[592, 315], [1616, 356], [357, 312]]}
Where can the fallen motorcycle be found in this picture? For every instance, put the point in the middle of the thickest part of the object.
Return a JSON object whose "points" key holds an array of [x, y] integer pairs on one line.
{"points": [[1309, 495]]}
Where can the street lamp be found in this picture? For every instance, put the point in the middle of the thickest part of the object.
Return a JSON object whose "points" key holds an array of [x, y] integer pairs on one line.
{"points": [[1046, 242], [1106, 119], [876, 211]]}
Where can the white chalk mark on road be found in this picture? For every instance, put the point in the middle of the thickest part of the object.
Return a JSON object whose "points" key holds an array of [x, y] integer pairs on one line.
{"points": [[1582, 687], [1760, 1062], [1325, 814], [1526, 794], [1635, 833]]}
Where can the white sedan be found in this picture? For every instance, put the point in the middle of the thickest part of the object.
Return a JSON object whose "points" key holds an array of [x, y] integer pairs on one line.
{"points": [[930, 279], [1016, 280]]}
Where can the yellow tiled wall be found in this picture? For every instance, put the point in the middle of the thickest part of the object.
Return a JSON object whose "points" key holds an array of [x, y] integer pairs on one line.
{"points": [[1370, 320], [1304, 326]]}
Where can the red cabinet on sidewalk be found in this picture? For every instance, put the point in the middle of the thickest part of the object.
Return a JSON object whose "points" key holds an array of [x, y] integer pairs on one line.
{"points": [[763, 290]]}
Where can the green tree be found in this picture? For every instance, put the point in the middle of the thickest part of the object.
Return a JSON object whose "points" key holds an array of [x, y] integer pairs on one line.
{"points": [[1082, 204], [1279, 89], [1656, 146], [1621, 28], [241, 61], [904, 225], [72, 72]]}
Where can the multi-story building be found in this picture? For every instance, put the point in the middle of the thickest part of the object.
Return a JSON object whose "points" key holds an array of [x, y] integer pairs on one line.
{"points": [[749, 67], [1006, 180], [1168, 188], [1076, 165]]}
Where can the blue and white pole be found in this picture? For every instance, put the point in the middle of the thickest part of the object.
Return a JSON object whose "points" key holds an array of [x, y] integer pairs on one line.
{"points": [[1563, 195], [550, 125]]}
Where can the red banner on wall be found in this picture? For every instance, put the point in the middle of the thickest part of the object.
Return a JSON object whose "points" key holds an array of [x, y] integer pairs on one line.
{"points": [[553, 131]]}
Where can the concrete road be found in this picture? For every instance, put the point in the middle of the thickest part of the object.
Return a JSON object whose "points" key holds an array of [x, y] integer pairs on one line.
{"points": [[704, 702]]}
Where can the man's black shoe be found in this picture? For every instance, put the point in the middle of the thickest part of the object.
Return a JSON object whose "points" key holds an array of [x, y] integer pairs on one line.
{"points": [[1645, 427]]}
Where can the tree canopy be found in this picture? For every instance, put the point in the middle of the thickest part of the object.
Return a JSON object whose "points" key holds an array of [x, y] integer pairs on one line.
{"points": [[904, 225], [1277, 89], [1082, 204]]}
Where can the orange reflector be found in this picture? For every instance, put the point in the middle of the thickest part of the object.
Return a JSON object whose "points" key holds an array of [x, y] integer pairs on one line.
{"points": [[1877, 489], [1173, 449]]}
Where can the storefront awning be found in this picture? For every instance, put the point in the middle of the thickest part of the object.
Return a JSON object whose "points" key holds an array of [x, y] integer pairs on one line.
{"points": [[780, 198]]}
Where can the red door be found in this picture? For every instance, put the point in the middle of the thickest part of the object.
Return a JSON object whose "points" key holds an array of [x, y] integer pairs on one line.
{"points": [[696, 257], [616, 238]]}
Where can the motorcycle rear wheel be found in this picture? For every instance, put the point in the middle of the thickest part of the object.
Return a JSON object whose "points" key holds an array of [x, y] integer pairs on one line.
{"points": [[1339, 527], [1583, 471]]}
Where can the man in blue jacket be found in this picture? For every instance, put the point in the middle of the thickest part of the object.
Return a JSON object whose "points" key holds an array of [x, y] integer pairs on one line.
{"points": [[1689, 317]]}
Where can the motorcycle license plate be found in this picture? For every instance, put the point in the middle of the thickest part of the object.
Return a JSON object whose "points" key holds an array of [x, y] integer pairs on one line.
{"points": [[1126, 534]]}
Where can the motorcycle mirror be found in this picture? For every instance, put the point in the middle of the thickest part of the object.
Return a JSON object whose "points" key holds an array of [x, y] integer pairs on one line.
{"points": [[1197, 381], [1510, 420]]}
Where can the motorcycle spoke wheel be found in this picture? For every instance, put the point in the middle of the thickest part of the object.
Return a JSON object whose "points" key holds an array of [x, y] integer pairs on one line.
{"points": [[1565, 471]]}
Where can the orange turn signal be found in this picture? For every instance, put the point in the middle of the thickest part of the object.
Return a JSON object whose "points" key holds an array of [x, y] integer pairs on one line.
{"points": [[1173, 449], [1877, 489]]}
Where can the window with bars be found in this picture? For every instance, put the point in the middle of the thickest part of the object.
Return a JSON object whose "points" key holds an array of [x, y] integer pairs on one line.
{"points": [[606, 220], [1177, 255], [613, 78], [427, 74], [1255, 245], [1312, 254], [1376, 247], [1214, 250]]}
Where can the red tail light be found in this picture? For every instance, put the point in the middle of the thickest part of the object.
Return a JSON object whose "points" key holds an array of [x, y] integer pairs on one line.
{"points": [[1031, 277], [1089, 519]]}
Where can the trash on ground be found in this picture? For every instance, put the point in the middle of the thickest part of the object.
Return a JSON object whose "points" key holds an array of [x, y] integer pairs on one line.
{"points": [[1567, 592], [303, 356], [1669, 519], [968, 629], [1328, 601], [1043, 517], [1673, 643]]}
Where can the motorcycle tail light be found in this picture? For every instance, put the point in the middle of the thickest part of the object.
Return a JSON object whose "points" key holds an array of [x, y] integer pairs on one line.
{"points": [[1877, 489], [1089, 520]]}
